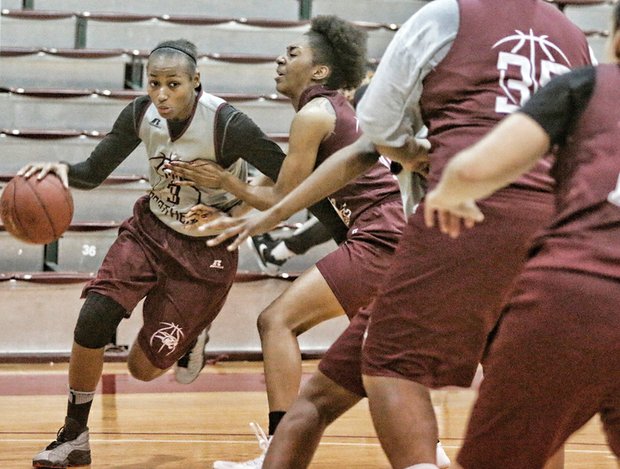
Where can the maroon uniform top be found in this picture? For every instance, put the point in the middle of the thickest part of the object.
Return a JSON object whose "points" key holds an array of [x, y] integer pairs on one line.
{"points": [[491, 70], [585, 232], [373, 187]]}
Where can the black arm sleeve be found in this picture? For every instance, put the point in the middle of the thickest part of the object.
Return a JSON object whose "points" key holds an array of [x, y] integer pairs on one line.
{"points": [[112, 150], [559, 104], [240, 137]]}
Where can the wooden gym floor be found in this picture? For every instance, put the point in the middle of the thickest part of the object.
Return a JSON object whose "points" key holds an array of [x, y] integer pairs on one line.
{"points": [[164, 425]]}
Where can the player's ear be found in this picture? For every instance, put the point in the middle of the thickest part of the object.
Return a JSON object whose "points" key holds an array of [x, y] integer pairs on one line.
{"points": [[196, 79], [321, 72]]}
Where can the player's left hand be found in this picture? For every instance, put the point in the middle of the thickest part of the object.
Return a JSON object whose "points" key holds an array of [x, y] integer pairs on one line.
{"points": [[450, 217], [201, 173], [412, 156], [241, 227]]}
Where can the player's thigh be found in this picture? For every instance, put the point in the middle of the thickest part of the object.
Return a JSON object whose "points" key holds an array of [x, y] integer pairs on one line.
{"points": [[306, 302]]}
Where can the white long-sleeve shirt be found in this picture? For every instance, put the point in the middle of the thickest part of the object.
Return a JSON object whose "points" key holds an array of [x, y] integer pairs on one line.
{"points": [[389, 112]]}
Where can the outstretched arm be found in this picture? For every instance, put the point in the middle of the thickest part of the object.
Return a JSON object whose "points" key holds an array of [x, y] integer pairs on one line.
{"points": [[308, 129], [336, 171]]}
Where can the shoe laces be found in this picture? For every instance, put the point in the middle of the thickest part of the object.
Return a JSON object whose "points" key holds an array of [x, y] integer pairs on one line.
{"points": [[261, 436], [60, 439]]}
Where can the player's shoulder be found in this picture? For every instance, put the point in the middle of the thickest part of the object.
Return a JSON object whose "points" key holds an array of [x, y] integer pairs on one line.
{"points": [[438, 11], [317, 108]]}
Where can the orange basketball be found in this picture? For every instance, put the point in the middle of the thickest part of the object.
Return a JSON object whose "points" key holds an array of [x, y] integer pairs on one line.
{"points": [[36, 211]]}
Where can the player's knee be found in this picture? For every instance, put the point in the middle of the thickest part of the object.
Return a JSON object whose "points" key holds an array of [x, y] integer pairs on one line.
{"points": [[270, 320], [97, 322], [140, 373], [312, 407], [140, 366]]}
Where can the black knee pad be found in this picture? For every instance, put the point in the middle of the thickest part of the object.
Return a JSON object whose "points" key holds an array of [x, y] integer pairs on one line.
{"points": [[98, 320]]}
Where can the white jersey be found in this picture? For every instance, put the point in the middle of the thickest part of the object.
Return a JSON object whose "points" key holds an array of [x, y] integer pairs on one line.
{"points": [[169, 201]]}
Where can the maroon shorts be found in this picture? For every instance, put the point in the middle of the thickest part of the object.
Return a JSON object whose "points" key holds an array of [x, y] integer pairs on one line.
{"points": [[442, 296], [342, 362], [553, 365], [355, 270], [183, 282]]}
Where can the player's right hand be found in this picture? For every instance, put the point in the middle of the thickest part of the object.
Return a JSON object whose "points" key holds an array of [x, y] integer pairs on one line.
{"points": [[44, 168]]}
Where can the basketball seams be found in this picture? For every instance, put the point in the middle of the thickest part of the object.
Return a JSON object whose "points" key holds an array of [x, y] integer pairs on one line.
{"points": [[56, 216], [36, 211], [41, 205]]}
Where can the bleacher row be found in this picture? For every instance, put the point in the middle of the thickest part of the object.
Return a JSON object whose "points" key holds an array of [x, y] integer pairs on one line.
{"points": [[67, 68]]}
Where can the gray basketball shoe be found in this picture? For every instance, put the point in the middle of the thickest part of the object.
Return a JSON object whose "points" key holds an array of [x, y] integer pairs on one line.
{"points": [[188, 367], [69, 450]]}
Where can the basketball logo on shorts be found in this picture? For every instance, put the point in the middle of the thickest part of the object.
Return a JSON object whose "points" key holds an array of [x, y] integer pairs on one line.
{"points": [[169, 336], [535, 59]]}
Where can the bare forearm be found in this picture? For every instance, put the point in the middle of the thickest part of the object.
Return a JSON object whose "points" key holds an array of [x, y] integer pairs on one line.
{"points": [[261, 197], [333, 174]]}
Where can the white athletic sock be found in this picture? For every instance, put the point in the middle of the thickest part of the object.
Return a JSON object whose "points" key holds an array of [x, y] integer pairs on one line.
{"points": [[281, 252], [422, 466], [80, 397]]}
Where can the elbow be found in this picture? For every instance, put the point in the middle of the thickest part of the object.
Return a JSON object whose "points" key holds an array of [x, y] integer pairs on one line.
{"points": [[470, 174], [84, 185]]}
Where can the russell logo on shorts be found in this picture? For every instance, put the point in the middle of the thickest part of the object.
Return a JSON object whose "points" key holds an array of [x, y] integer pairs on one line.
{"points": [[168, 337], [216, 264]]}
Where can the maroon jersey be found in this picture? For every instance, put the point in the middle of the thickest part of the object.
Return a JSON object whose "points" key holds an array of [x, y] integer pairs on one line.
{"points": [[375, 186], [585, 232], [491, 70]]}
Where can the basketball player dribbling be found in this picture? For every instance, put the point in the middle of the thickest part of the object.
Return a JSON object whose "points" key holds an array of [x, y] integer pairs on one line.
{"points": [[160, 255], [459, 67]]}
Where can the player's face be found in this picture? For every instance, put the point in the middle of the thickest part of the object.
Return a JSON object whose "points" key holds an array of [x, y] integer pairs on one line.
{"points": [[295, 69], [170, 87]]}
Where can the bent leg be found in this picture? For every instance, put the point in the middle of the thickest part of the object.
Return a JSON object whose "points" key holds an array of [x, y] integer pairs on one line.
{"points": [[320, 402], [404, 419], [140, 366], [306, 303]]}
